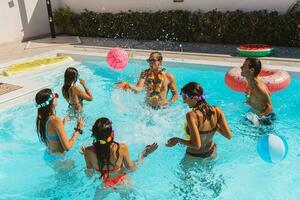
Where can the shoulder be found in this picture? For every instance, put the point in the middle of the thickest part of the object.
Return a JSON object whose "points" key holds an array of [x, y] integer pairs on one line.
{"points": [[88, 150], [123, 146], [218, 109], [262, 87], [56, 119], [75, 89], [144, 73], [170, 76], [191, 115]]}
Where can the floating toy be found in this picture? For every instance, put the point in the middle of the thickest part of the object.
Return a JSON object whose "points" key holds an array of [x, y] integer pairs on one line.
{"points": [[272, 148], [117, 58], [254, 50], [275, 80], [34, 64]]}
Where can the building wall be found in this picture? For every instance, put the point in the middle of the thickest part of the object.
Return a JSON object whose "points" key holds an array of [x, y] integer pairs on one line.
{"points": [[22, 19], [192, 5]]}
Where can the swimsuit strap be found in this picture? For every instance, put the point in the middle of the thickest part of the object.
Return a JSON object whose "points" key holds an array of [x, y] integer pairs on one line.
{"points": [[116, 168], [50, 137], [211, 130]]}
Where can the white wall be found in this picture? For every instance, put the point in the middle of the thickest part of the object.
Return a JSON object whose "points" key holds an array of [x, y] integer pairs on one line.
{"points": [[192, 5], [24, 19]]}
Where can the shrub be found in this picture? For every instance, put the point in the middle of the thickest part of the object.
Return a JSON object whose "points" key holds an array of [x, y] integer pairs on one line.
{"points": [[213, 26]]}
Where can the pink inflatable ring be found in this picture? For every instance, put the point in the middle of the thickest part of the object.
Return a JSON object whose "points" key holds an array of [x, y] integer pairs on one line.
{"points": [[275, 79]]}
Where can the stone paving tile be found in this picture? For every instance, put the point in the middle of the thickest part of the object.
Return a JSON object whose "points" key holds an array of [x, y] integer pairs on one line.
{"points": [[6, 88]]}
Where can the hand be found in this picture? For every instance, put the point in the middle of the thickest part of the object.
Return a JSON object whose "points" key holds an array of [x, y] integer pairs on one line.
{"points": [[82, 148], [172, 142], [165, 105], [80, 122], [66, 119], [82, 82], [149, 149], [122, 85]]}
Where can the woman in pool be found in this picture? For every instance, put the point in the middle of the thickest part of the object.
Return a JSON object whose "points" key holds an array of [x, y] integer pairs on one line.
{"points": [[73, 94], [203, 121], [109, 157], [50, 128]]}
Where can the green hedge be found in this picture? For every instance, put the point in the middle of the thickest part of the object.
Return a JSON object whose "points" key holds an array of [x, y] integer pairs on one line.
{"points": [[213, 26]]}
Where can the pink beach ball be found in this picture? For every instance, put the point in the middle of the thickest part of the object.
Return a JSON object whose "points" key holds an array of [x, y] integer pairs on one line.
{"points": [[117, 58]]}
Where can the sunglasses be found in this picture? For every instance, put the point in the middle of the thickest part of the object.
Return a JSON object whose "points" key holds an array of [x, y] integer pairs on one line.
{"points": [[151, 60], [184, 96]]}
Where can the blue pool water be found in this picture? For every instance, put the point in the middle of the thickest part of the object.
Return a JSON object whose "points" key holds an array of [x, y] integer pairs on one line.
{"points": [[236, 173]]}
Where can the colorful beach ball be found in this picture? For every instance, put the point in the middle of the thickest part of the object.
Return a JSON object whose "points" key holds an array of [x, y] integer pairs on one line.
{"points": [[117, 58], [272, 148]]}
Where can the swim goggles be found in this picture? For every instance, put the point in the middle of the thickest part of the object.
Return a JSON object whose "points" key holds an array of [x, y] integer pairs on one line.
{"points": [[47, 102], [198, 98]]}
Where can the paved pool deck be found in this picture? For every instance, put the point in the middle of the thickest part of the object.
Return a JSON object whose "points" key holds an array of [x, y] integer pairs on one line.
{"points": [[285, 56]]}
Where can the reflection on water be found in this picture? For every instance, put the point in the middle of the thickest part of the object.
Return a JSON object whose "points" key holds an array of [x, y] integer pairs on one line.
{"points": [[197, 179]]}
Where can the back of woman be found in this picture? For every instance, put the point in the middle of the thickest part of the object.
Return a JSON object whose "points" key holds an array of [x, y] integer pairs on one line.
{"points": [[73, 94], [109, 157], [50, 128], [202, 122], [74, 101], [207, 127]]}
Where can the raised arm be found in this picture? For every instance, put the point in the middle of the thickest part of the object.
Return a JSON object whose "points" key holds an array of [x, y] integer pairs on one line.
{"points": [[136, 88], [133, 165], [126, 158], [139, 85], [195, 141], [86, 95], [63, 137]]}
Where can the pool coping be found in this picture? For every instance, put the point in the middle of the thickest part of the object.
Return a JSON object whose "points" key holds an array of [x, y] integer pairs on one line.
{"points": [[29, 88]]}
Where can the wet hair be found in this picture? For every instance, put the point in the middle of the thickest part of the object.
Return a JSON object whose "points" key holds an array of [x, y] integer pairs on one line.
{"points": [[255, 64], [71, 76], [102, 130], [159, 55], [193, 89], [43, 113]]}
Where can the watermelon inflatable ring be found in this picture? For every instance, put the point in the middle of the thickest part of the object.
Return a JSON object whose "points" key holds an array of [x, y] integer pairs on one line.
{"points": [[254, 50]]}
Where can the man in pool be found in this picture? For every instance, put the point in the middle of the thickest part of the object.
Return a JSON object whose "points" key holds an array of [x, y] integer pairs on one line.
{"points": [[156, 81], [257, 93]]}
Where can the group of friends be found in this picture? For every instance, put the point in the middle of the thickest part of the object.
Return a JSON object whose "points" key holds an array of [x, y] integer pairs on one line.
{"points": [[111, 158]]}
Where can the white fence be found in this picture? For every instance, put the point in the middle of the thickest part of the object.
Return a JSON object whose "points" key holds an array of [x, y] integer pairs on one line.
{"points": [[21, 19]]}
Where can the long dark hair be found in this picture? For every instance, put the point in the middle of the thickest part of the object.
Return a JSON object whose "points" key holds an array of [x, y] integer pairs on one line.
{"points": [[43, 112], [71, 76], [102, 130], [194, 89]]}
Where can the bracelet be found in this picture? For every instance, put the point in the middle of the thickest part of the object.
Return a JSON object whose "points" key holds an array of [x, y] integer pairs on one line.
{"points": [[79, 130]]}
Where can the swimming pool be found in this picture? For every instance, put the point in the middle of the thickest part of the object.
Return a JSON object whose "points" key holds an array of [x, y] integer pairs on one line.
{"points": [[237, 172]]}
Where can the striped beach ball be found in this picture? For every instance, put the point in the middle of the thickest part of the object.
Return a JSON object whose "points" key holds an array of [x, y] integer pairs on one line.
{"points": [[272, 148], [117, 58]]}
